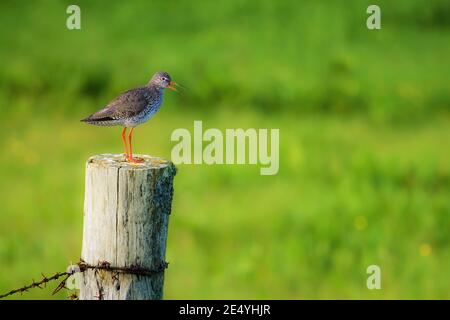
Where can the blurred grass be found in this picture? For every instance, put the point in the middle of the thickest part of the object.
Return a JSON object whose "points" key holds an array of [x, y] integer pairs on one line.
{"points": [[364, 129]]}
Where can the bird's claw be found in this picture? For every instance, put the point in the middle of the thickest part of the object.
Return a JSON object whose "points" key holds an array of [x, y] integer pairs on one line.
{"points": [[134, 160]]}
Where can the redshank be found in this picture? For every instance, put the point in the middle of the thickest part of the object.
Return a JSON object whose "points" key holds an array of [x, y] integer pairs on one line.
{"points": [[133, 108]]}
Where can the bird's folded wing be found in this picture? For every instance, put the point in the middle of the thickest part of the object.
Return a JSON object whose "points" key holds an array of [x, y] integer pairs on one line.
{"points": [[127, 105]]}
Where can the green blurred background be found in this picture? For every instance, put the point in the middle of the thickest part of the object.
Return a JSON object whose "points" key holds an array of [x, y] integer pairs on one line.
{"points": [[364, 141]]}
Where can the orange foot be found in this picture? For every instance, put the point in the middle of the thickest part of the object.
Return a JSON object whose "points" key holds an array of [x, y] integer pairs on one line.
{"points": [[135, 160]]}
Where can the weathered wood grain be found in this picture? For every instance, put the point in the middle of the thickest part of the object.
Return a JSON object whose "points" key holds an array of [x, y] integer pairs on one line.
{"points": [[126, 215]]}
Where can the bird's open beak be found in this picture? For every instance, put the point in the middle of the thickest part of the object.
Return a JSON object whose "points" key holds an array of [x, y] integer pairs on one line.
{"points": [[172, 85]]}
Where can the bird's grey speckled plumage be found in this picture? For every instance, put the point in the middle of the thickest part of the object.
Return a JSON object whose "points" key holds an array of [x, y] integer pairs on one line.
{"points": [[134, 106]]}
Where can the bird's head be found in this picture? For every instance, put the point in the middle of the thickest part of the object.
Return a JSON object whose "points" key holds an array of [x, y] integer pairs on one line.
{"points": [[162, 80]]}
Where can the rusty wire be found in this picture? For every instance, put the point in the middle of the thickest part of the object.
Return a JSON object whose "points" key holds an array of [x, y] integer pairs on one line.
{"points": [[82, 266], [39, 284]]}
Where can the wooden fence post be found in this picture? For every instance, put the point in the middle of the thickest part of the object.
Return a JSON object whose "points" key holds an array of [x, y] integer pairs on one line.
{"points": [[126, 215]]}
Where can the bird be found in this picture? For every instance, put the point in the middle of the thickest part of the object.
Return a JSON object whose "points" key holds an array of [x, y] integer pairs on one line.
{"points": [[132, 108]]}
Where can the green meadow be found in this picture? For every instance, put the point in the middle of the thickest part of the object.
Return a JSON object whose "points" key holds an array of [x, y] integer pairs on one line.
{"points": [[364, 124]]}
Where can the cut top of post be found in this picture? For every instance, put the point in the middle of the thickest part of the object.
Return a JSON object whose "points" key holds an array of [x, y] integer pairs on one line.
{"points": [[118, 160]]}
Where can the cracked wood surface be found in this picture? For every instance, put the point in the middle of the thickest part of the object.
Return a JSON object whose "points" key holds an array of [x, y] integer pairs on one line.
{"points": [[126, 215]]}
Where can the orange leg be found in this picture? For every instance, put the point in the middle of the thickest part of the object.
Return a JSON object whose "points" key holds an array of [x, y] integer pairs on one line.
{"points": [[130, 155], [130, 136], [125, 142]]}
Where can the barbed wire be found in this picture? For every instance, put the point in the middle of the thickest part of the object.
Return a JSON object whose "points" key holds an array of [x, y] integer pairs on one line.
{"points": [[37, 284], [81, 267], [133, 269]]}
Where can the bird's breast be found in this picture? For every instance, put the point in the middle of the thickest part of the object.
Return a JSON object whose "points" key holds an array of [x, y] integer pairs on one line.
{"points": [[147, 113]]}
